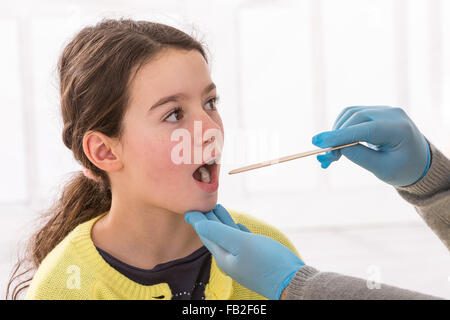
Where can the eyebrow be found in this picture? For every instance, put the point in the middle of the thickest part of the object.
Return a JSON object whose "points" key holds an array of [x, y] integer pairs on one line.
{"points": [[178, 96]]}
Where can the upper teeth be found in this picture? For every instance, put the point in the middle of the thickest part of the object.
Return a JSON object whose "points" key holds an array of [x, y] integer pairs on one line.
{"points": [[210, 162]]}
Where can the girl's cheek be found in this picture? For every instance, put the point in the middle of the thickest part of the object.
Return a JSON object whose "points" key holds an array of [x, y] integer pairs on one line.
{"points": [[161, 157], [171, 157], [163, 163]]}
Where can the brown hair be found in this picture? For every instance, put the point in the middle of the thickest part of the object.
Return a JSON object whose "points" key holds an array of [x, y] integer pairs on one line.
{"points": [[95, 70]]}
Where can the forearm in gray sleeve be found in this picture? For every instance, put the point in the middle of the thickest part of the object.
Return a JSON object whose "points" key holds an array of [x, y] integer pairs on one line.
{"points": [[311, 284], [431, 195]]}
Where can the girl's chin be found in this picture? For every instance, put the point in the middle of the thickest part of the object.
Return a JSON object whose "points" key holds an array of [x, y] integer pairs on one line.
{"points": [[204, 205]]}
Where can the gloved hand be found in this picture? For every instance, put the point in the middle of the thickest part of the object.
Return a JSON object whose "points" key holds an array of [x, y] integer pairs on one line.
{"points": [[257, 262], [398, 152]]}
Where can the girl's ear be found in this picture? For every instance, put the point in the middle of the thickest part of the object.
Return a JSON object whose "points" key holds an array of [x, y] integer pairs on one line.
{"points": [[98, 149]]}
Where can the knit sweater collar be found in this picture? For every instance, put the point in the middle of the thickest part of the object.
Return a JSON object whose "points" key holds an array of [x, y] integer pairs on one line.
{"points": [[219, 286]]}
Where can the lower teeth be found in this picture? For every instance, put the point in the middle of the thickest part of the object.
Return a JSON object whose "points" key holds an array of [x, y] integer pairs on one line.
{"points": [[204, 175]]}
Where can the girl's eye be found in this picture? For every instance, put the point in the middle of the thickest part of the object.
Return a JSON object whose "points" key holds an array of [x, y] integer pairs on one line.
{"points": [[213, 102], [175, 115]]}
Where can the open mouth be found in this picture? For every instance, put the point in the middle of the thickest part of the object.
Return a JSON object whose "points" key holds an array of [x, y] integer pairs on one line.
{"points": [[205, 173]]}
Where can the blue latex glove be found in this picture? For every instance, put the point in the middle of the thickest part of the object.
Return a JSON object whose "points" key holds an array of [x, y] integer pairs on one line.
{"points": [[397, 154], [257, 262]]}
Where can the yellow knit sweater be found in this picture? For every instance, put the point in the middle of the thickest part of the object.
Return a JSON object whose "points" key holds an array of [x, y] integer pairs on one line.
{"points": [[75, 270]]}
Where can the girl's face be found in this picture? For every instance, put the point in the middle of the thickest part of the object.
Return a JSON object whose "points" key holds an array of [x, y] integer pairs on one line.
{"points": [[151, 174]]}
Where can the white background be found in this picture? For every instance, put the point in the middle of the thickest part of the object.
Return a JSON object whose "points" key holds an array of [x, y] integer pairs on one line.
{"points": [[284, 71]]}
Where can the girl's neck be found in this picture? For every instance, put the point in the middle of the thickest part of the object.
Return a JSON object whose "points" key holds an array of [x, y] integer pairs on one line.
{"points": [[144, 238]]}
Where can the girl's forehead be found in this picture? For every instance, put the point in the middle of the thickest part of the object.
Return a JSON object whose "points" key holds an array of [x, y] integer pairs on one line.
{"points": [[172, 71], [172, 64]]}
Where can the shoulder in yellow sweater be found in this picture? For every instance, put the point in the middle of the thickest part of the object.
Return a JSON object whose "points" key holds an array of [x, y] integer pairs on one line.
{"points": [[75, 270]]}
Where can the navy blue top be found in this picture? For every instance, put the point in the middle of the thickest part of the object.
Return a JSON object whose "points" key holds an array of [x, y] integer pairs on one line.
{"points": [[186, 277]]}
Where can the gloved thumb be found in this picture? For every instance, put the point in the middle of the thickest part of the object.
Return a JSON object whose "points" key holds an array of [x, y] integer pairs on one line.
{"points": [[217, 251], [222, 235], [192, 217]]}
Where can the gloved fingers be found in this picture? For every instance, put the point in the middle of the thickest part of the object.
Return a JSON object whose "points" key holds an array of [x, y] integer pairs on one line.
{"points": [[223, 216], [348, 112], [378, 131], [211, 215], [324, 162], [192, 217], [345, 113], [356, 118], [327, 158], [359, 132], [226, 218], [222, 235]]}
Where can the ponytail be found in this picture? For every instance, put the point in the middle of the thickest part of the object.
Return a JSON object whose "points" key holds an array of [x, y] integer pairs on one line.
{"points": [[81, 200]]}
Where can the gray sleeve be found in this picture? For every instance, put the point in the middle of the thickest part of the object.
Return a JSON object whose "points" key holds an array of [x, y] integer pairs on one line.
{"points": [[431, 198], [311, 284], [431, 195]]}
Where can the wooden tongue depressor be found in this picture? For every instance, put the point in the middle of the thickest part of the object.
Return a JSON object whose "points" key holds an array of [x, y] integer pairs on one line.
{"points": [[288, 158]]}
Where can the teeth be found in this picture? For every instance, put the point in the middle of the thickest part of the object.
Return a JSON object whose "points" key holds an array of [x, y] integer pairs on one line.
{"points": [[210, 162], [204, 175]]}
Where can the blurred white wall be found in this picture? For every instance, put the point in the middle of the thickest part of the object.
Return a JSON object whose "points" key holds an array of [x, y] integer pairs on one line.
{"points": [[284, 70]]}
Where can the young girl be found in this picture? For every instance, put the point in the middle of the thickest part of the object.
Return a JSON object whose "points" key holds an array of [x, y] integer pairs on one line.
{"points": [[118, 229]]}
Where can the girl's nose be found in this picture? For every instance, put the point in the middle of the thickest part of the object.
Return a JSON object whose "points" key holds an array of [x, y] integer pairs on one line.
{"points": [[205, 124]]}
